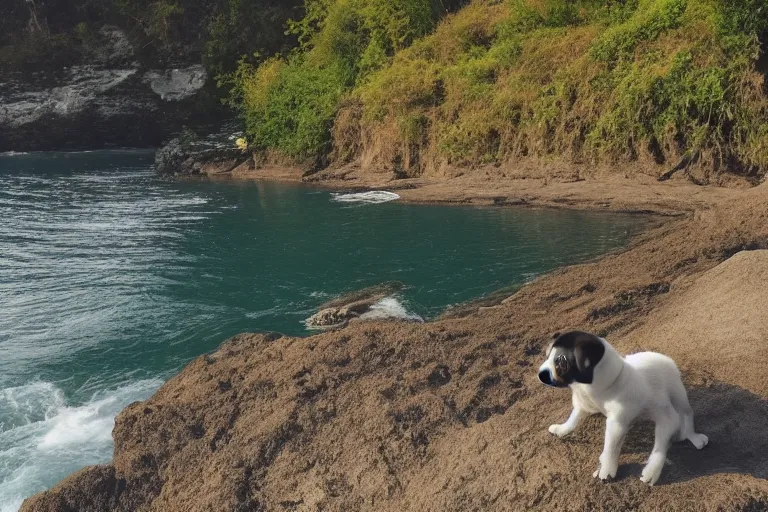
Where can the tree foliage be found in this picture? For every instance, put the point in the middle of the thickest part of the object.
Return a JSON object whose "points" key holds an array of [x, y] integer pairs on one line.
{"points": [[218, 32]]}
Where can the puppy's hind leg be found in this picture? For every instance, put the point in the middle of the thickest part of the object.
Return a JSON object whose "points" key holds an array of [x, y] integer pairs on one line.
{"points": [[667, 424], [680, 402]]}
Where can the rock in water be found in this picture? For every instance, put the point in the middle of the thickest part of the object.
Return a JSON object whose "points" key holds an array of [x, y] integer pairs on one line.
{"points": [[339, 311], [212, 154], [169, 158], [331, 317]]}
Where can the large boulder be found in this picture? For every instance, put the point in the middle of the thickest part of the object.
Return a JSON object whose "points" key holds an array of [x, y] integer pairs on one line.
{"points": [[449, 415], [212, 154]]}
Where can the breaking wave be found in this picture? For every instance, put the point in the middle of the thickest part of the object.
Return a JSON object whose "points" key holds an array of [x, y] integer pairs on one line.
{"points": [[41, 436], [389, 307], [372, 197]]}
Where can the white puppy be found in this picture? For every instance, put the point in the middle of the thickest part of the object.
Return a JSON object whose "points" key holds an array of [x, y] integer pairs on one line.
{"points": [[622, 389]]}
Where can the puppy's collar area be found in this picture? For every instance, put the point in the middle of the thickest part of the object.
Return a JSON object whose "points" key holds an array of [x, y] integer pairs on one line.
{"points": [[614, 381]]}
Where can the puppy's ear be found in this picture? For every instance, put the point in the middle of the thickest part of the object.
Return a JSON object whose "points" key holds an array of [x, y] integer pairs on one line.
{"points": [[552, 343], [587, 353]]}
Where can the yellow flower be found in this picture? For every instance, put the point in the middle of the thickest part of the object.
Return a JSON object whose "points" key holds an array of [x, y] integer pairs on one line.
{"points": [[241, 144]]}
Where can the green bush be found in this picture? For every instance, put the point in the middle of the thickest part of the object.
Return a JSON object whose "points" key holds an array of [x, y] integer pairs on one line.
{"points": [[35, 51], [290, 104], [651, 80], [655, 17], [162, 15], [247, 31]]}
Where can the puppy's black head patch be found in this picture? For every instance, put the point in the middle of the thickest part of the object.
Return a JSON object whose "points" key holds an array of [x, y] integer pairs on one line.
{"points": [[576, 355]]}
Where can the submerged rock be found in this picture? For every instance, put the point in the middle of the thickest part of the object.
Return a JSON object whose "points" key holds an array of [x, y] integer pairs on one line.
{"points": [[366, 303], [336, 317]]}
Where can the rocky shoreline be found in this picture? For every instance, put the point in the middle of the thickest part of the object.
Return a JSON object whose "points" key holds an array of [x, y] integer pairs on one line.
{"points": [[448, 415], [523, 184]]}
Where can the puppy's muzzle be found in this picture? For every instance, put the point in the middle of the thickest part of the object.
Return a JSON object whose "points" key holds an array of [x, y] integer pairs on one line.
{"points": [[545, 376]]}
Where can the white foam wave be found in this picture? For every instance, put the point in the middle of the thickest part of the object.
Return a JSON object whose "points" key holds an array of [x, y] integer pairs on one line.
{"points": [[372, 197], [43, 439], [23, 405], [389, 307]]}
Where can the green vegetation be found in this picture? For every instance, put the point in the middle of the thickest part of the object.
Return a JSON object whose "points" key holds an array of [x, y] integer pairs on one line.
{"points": [[290, 103], [415, 86], [644, 81]]}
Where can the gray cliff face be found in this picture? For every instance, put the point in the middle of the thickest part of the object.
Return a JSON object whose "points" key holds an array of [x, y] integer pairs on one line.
{"points": [[81, 86], [111, 101], [177, 84]]}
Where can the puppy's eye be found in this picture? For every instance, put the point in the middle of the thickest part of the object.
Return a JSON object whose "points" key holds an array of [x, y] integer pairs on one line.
{"points": [[562, 365]]}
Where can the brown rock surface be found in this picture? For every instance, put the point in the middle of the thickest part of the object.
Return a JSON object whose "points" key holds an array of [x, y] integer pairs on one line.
{"points": [[449, 415]]}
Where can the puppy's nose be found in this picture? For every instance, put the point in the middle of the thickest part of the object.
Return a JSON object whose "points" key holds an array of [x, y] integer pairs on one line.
{"points": [[545, 376]]}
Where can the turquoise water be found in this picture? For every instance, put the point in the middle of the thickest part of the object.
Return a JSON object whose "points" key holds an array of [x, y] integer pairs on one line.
{"points": [[111, 280]]}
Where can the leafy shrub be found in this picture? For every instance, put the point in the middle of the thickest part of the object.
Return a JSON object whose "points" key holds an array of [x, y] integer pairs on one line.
{"points": [[620, 41], [222, 32], [290, 104], [34, 51], [162, 16]]}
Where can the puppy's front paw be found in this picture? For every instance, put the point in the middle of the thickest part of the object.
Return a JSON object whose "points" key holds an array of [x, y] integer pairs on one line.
{"points": [[651, 473], [698, 440], [606, 472], [559, 430]]}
